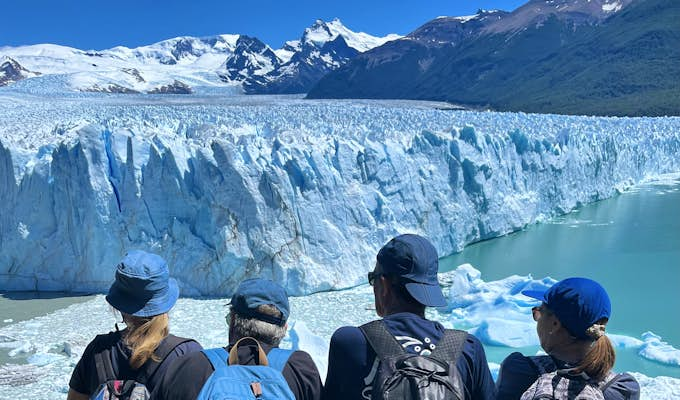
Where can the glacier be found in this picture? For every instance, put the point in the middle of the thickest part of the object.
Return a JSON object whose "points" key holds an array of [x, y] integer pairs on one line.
{"points": [[302, 192], [45, 349]]}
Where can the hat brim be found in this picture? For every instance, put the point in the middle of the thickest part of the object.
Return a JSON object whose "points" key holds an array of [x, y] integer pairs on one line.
{"points": [[535, 294], [159, 304], [427, 295]]}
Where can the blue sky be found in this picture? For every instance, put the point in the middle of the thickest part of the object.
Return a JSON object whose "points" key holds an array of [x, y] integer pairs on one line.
{"points": [[101, 24]]}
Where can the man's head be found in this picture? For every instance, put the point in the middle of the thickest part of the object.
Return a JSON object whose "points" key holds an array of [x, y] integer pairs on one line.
{"points": [[406, 276], [259, 309]]}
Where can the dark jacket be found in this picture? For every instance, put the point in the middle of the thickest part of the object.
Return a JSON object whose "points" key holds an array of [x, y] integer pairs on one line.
{"points": [[517, 373], [84, 378], [352, 362]]}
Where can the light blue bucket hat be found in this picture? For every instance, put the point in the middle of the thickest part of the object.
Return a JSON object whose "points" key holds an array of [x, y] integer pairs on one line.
{"points": [[143, 286]]}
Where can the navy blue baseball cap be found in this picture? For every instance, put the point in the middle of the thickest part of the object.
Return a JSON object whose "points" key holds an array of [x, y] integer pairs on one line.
{"points": [[414, 260], [577, 302], [143, 286], [253, 293]]}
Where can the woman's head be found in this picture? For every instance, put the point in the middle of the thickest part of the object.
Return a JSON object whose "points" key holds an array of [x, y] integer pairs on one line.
{"points": [[143, 287], [581, 305], [571, 321], [144, 293]]}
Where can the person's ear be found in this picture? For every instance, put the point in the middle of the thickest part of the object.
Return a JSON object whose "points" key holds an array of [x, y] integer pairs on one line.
{"points": [[385, 287]]}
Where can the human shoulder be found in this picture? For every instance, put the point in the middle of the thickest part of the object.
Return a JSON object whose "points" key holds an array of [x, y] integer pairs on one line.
{"points": [[347, 336], [622, 387], [516, 374]]}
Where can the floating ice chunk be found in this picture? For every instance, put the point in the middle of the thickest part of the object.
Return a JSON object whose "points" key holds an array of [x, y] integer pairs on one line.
{"points": [[624, 342], [301, 338], [494, 368], [7, 321], [657, 350], [42, 359], [25, 347], [659, 388], [501, 332]]}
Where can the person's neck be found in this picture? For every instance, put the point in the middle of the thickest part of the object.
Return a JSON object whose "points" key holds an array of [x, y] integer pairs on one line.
{"points": [[571, 353], [397, 310]]}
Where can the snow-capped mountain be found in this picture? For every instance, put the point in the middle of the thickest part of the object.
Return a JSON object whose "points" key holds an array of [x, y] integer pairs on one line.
{"points": [[592, 57], [188, 62], [11, 71], [536, 12], [250, 58], [323, 47]]}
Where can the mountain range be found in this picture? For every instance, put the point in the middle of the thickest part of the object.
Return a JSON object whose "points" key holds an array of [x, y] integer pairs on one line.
{"points": [[181, 64], [589, 57]]}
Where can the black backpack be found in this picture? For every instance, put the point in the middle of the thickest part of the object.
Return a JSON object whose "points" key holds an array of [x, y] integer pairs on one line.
{"points": [[130, 389], [403, 375]]}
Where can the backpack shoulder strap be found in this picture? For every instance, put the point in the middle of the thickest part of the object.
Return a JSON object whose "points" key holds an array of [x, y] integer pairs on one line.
{"points": [[102, 356], [278, 358], [162, 352], [102, 361], [608, 381], [219, 357], [450, 346], [381, 340]]}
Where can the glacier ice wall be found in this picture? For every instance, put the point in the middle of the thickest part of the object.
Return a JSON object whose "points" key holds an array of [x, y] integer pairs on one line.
{"points": [[298, 191]]}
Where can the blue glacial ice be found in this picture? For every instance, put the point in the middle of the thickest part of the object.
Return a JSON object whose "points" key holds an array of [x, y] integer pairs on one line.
{"points": [[303, 192], [52, 344]]}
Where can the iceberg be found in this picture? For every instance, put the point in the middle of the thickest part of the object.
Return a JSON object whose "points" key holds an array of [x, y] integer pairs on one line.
{"points": [[302, 192]]}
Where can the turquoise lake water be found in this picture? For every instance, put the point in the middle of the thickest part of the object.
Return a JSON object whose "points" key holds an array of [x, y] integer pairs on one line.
{"points": [[630, 244]]}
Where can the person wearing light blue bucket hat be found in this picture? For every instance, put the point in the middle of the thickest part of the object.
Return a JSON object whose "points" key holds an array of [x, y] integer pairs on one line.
{"points": [[143, 292]]}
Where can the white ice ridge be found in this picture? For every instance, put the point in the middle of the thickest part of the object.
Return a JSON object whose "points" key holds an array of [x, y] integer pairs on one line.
{"points": [[303, 192], [45, 349]]}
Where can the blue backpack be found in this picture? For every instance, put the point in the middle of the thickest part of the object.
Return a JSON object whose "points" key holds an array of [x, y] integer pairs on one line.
{"points": [[230, 380]]}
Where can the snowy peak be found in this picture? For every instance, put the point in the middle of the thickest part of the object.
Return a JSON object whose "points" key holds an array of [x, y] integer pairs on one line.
{"points": [[251, 57], [322, 32], [452, 30], [179, 50], [577, 12], [11, 71]]}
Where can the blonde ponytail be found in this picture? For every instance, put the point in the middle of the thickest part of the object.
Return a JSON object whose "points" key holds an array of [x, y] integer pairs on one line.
{"points": [[143, 337]]}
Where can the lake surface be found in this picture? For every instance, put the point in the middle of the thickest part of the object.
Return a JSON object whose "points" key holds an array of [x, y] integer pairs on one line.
{"points": [[630, 244]]}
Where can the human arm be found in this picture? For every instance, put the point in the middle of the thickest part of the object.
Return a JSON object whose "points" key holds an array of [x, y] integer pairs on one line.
{"points": [[483, 387], [349, 364], [515, 376], [303, 377]]}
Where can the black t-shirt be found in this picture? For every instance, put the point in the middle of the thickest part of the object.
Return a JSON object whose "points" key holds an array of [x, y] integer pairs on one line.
{"points": [[518, 373], [185, 377], [85, 380], [352, 363]]}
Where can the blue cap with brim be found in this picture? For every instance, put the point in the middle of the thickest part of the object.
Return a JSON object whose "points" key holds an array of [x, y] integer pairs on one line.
{"points": [[253, 293], [577, 302], [143, 286], [414, 260]]}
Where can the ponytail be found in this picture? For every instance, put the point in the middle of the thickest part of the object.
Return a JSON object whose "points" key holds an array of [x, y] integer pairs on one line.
{"points": [[144, 336], [600, 358]]}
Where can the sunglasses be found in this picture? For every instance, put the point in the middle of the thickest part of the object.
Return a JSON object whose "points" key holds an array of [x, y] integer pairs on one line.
{"points": [[372, 276], [537, 311]]}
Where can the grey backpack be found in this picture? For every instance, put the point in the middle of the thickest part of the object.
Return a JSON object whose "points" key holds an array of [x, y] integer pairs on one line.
{"points": [[561, 384], [403, 375]]}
